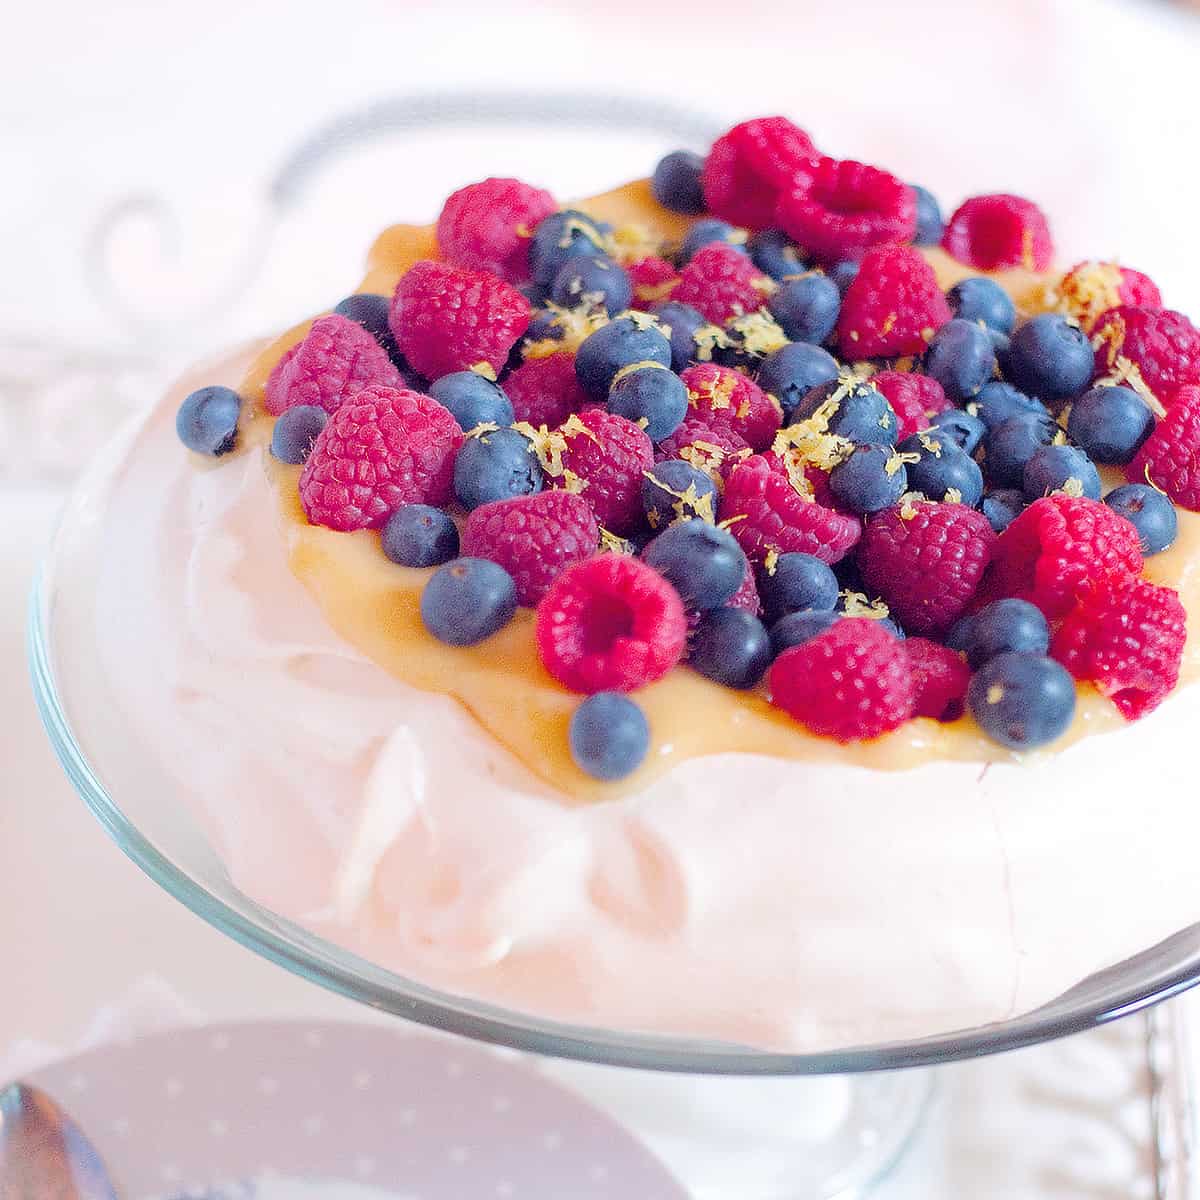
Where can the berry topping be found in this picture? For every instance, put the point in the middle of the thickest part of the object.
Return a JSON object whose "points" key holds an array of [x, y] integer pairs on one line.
{"points": [[1002, 507], [708, 232], [796, 628], [1110, 423], [631, 338], [722, 396], [993, 232], [675, 491], [893, 305], [720, 282], [703, 562], [731, 647], [1002, 626], [1008, 448], [609, 736], [775, 254], [382, 448], [677, 184], [544, 391], [371, 312], [940, 679], [1170, 457], [610, 623], [472, 399], [207, 420], [915, 399], [930, 223], [1159, 348], [557, 238], [594, 280], [653, 280], [749, 166], [961, 358], [419, 535], [872, 478], [807, 306], [1060, 469], [650, 396], [796, 583], [713, 448], [467, 600], [295, 431], [1150, 512], [939, 470], [961, 428], [981, 299], [997, 402], [688, 330], [849, 408], [496, 464], [851, 683], [790, 373], [1090, 289], [1050, 358], [1022, 700], [486, 226]]}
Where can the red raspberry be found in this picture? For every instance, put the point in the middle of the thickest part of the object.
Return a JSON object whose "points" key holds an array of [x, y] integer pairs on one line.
{"points": [[533, 537], [1170, 457], [926, 560], [1056, 546], [723, 396], [851, 683], [384, 447], [993, 232], [1162, 344], [1089, 289], [447, 318], [721, 282], [915, 399], [940, 676], [714, 448], [767, 513], [610, 623], [1125, 636], [486, 226], [893, 306], [336, 358], [545, 391], [843, 208], [748, 167], [746, 597], [653, 279]]}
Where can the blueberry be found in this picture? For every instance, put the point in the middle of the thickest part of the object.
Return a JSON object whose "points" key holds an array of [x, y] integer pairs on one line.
{"points": [[963, 429], [798, 582], [561, 236], [683, 321], [844, 274], [1050, 358], [1059, 468], [593, 279], [749, 338], [626, 340], [496, 465], [1110, 423], [609, 736], [807, 307], [959, 637], [942, 467], [653, 397], [731, 646], [775, 254], [799, 627], [207, 420], [472, 399], [704, 233], [1001, 343], [871, 479], [1022, 700], [372, 313], [1152, 514], [1008, 447], [1006, 625], [674, 490], [856, 411], [703, 562], [1002, 507], [295, 431], [929, 218], [533, 292], [981, 299], [998, 401], [961, 358], [467, 600], [419, 535], [792, 372], [676, 182], [544, 325]]}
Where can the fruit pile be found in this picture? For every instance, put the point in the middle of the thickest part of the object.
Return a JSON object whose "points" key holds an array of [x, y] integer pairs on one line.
{"points": [[776, 452]]}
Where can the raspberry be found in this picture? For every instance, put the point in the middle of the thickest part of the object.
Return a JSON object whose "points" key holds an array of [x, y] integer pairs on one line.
{"points": [[1170, 457], [851, 683], [1058, 544], [893, 306], [993, 232], [721, 282], [940, 678], [714, 448], [748, 167], [915, 399], [1162, 344], [384, 447], [653, 279], [766, 514], [532, 537], [447, 318], [1089, 289], [1125, 636], [843, 208], [610, 623], [926, 560], [723, 396], [746, 597], [336, 358], [544, 391], [486, 226]]}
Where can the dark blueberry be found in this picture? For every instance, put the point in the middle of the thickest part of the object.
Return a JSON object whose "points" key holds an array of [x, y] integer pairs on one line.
{"points": [[749, 338], [807, 307], [929, 217], [533, 292], [1022, 700], [683, 321], [798, 582], [1002, 507], [959, 637], [965, 430], [371, 312], [775, 254], [419, 535], [857, 411], [592, 279], [731, 646], [496, 465], [626, 340], [472, 399], [545, 325], [1001, 343], [676, 182], [998, 402], [207, 420], [467, 600], [560, 236], [844, 274], [1050, 358], [1110, 423], [702, 561], [1060, 468], [1008, 447], [674, 490], [942, 467], [981, 299], [295, 431], [799, 627], [1006, 625], [653, 397], [792, 372], [871, 479], [704, 233], [1151, 513], [961, 358], [609, 736]]}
